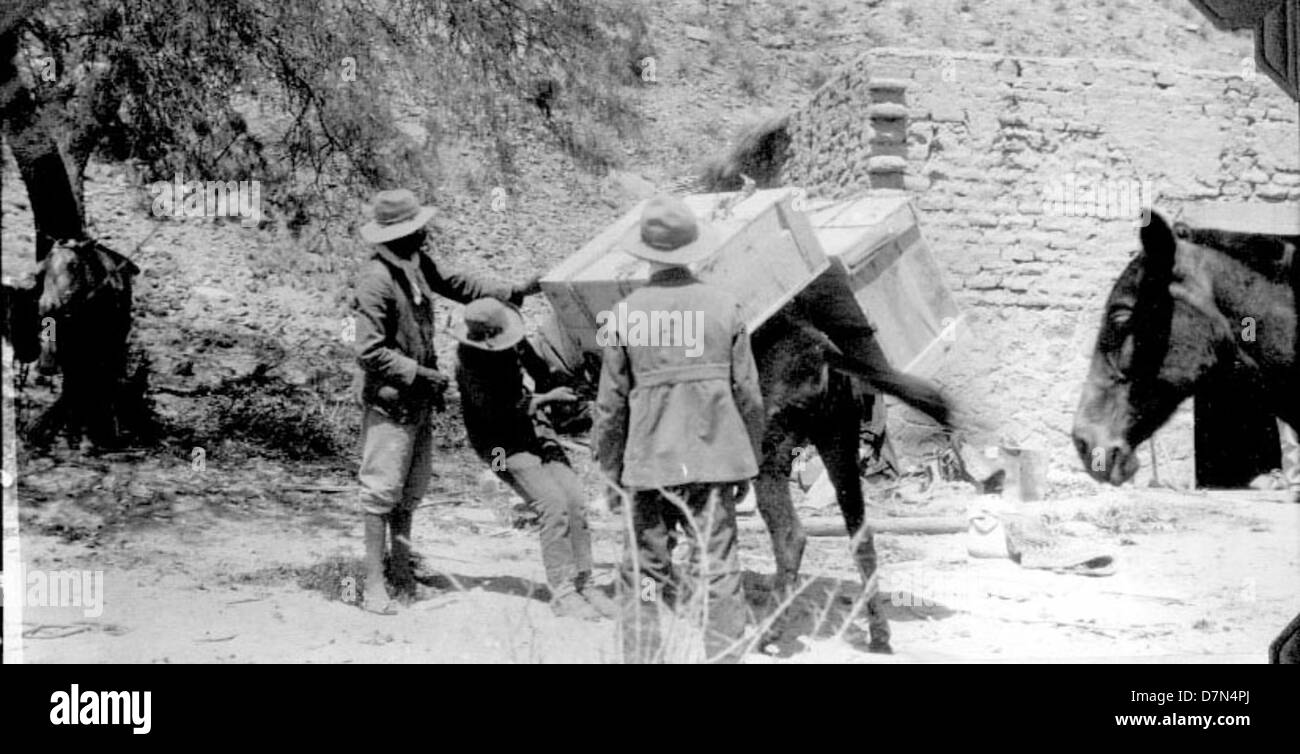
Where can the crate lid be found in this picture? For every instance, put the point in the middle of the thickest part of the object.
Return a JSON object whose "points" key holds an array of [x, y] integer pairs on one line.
{"points": [[606, 256], [851, 229]]}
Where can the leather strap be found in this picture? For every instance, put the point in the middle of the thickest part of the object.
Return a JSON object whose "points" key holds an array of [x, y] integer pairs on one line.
{"points": [[686, 373]]}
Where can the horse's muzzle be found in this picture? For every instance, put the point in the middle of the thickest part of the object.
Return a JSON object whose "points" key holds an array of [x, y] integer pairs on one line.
{"points": [[1106, 458]]}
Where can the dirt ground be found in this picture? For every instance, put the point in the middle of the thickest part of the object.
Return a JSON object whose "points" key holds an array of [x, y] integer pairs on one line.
{"points": [[258, 580]]}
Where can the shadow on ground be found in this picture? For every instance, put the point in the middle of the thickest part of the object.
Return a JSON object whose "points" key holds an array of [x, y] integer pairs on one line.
{"points": [[342, 579], [828, 606]]}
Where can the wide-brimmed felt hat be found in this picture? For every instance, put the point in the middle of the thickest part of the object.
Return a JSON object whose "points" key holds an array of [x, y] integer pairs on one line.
{"points": [[395, 214], [671, 234], [489, 325]]}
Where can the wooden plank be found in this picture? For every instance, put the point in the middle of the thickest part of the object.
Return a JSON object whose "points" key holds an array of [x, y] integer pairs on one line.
{"points": [[895, 277], [821, 526], [804, 237], [928, 360], [917, 525]]}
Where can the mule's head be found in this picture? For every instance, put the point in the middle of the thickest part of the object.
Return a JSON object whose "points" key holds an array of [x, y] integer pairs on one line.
{"points": [[792, 358], [65, 273], [1161, 334], [74, 272]]}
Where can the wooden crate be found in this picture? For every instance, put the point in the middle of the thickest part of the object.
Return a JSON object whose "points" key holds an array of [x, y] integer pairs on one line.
{"points": [[768, 253], [877, 238]]}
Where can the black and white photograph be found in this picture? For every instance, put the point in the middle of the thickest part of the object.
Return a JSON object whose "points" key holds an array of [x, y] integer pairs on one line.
{"points": [[763, 332]]}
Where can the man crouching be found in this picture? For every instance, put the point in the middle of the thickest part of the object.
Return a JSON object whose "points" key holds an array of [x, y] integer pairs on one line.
{"points": [[502, 421]]}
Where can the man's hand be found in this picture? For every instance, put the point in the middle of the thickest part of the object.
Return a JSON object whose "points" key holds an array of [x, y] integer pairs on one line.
{"points": [[433, 383], [558, 395]]}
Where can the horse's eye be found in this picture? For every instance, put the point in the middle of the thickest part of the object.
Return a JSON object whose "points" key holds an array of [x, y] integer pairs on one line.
{"points": [[1120, 316]]}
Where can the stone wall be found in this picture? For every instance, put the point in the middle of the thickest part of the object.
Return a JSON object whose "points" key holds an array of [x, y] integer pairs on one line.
{"points": [[1007, 157]]}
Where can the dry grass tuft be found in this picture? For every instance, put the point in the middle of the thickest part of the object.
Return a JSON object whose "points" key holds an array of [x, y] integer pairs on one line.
{"points": [[759, 152]]}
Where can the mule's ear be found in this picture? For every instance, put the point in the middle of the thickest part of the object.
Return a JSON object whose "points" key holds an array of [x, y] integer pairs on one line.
{"points": [[1158, 242], [121, 263], [828, 346]]}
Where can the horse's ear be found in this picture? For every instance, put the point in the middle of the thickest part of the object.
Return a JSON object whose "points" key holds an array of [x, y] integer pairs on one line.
{"points": [[1158, 242], [823, 340]]}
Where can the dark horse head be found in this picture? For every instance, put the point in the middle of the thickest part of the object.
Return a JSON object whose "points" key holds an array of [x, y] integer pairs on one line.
{"points": [[85, 287], [1192, 304], [79, 273]]}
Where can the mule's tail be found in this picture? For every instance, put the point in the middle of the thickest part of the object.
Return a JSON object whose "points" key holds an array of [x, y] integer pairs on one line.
{"points": [[829, 306], [918, 393]]}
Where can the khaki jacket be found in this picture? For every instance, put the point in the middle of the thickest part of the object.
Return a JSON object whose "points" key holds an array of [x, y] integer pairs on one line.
{"points": [[664, 417]]}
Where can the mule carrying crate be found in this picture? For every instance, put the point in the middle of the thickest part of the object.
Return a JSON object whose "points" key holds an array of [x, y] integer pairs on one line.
{"points": [[767, 253], [877, 239]]}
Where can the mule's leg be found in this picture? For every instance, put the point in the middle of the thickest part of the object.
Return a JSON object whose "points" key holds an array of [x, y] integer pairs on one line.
{"points": [[82, 388], [837, 442], [772, 491], [46, 426]]}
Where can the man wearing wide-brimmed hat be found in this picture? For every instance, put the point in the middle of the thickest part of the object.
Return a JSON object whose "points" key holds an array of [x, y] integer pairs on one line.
{"points": [[399, 384], [680, 425], [502, 421]]}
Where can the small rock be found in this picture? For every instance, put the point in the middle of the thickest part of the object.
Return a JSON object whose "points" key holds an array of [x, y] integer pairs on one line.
{"points": [[810, 470], [295, 376], [1078, 528], [821, 494], [887, 111], [698, 34], [207, 291], [628, 187]]}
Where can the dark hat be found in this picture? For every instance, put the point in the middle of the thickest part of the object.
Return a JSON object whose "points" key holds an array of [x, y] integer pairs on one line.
{"points": [[396, 214], [670, 234], [489, 325]]}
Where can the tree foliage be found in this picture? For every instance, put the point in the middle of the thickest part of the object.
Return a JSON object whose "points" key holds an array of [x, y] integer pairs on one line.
{"points": [[321, 100]]}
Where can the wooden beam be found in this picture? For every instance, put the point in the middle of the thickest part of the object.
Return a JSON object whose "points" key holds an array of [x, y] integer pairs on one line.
{"points": [[834, 527]]}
